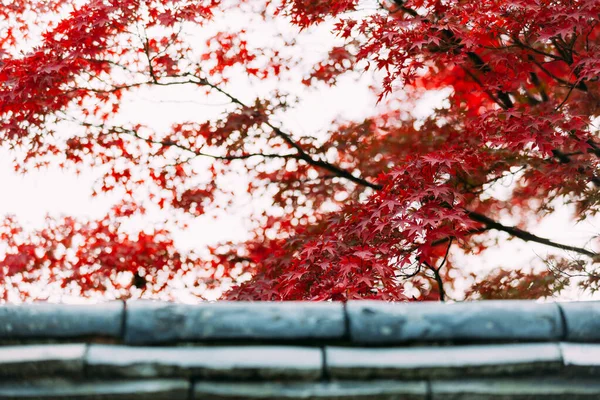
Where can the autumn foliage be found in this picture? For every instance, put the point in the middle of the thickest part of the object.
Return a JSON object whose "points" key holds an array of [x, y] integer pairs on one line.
{"points": [[375, 207]]}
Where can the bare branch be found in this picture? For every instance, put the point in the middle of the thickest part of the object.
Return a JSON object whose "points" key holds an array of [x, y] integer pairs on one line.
{"points": [[302, 154], [526, 236], [438, 280]]}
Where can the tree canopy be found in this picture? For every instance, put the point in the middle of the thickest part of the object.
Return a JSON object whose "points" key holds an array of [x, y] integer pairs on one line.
{"points": [[369, 208]]}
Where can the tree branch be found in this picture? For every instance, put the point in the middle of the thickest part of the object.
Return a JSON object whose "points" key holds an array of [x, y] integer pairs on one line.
{"points": [[342, 173], [526, 236], [438, 280], [302, 154], [169, 143], [436, 272], [488, 222]]}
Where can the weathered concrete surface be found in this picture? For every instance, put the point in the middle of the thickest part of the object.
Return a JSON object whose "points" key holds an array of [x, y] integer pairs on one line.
{"points": [[375, 390], [442, 362], [486, 321], [154, 322], [516, 389], [582, 320], [58, 321], [63, 389], [224, 362], [42, 360]]}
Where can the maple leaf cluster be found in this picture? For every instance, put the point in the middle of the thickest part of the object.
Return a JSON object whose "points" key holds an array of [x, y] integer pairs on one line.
{"points": [[372, 208]]}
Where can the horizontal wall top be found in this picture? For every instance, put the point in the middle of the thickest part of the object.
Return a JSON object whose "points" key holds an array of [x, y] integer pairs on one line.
{"points": [[364, 323], [297, 350]]}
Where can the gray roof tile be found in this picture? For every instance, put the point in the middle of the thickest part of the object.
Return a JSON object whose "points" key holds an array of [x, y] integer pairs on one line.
{"points": [[379, 390], [373, 322], [234, 362], [581, 358], [516, 389], [60, 321], [155, 322], [435, 362], [42, 360], [62, 389], [582, 321]]}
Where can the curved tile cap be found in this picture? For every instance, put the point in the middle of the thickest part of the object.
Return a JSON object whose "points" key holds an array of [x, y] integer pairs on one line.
{"points": [[32, 361], [380, 390], [581, 359], [233, 362], [582, 320], [155, 322], [388, 323], [62, 389], [59, 321], [443, 362], [515, 389]]}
